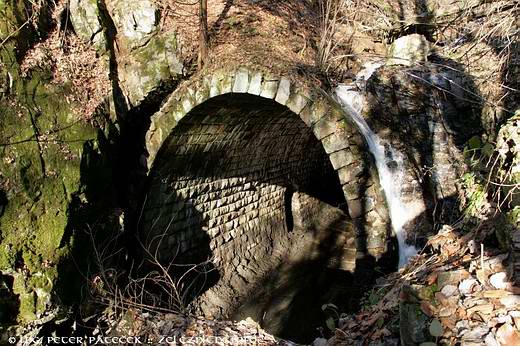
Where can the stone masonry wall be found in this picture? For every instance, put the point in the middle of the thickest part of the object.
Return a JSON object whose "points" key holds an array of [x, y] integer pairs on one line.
{"points": [[221, 183], [326, 222], [338, 135]]}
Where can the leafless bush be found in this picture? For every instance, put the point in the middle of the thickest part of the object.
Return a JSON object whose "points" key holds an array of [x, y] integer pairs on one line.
{"points": [[484, 39], [331, 17], [150, 285]]}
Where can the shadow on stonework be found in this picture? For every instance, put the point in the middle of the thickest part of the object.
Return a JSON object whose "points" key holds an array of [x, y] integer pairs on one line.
{"points": [[186, 256], [310, 285], [223, 187], [427, 111]]}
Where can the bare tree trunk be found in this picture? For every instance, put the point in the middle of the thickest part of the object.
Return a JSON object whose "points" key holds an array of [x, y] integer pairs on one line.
{"points": [[203, 32]]}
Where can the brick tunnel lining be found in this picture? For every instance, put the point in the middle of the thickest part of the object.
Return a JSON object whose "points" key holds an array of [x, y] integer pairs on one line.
{"points": [[221, 182]]}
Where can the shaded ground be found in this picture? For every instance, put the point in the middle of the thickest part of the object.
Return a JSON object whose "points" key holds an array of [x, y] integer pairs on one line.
{"points": [[291, 301]]}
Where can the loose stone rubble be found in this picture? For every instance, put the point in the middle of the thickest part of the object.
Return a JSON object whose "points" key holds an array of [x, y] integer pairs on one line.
{"points": [[173, 329], [459, 294]]}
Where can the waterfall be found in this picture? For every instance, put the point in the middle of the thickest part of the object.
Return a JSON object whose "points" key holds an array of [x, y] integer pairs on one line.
{"points": [[389, 162]]}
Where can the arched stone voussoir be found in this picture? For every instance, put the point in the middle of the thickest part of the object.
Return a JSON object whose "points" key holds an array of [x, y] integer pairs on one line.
{"points": [[242, 80], [341, 141]]}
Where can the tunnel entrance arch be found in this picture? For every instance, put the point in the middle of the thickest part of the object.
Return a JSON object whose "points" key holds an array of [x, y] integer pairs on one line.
{"points": [[338, 135], [224, 155]]}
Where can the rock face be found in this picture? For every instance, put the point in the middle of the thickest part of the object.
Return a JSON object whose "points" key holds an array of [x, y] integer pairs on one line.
{"points": [[39, 175], [508, 148], [146, 60], [41, 150], [55, 170], [149, 67], [135, 21], [86, 19], [427, 122], [413, 324]]}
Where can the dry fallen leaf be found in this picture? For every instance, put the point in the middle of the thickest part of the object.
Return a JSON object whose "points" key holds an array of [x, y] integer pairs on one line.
{"points": [[447, 311], [461, 313], [495, 294], [374, 318], [427, 308], [449, 322], [499, 280], [485, 309], [482, 276], [432, 278], [380, 333], [507, 336], [468, 286], [441, 298]]}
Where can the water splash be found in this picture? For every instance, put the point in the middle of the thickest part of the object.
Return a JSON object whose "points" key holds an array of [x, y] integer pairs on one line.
{"points": [[389, 162]]}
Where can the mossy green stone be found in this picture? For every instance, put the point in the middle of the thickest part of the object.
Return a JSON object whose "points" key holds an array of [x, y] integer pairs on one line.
{"points": [[40, 165]]}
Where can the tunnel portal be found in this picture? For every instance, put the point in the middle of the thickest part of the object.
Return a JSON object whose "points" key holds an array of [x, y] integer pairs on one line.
{"points": [[242, 184]]}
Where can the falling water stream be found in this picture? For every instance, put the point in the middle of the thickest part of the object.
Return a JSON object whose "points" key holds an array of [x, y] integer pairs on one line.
{"points": [[389, 162]]}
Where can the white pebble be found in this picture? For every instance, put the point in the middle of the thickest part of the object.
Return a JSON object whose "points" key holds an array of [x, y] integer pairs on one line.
{"points": [[468, 286], [510, 301], [499, 280], [490, 340], [449, 290]]}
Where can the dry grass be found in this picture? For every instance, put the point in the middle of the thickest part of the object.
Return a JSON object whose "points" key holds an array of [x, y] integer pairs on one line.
{"points": [[484, 39], [275, 37], [154, 285]]}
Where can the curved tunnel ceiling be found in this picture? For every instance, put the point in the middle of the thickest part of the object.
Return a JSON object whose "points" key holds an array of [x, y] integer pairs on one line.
{"points": [[229, 152], [339, 138], [246, 173], [243, 180]]}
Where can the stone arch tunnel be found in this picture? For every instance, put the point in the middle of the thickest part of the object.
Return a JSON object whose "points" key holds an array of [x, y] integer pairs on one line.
{"points": [[251, 171]]}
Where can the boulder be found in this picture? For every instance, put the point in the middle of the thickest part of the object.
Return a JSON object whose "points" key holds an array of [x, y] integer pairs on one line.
{"points": [[86, 20], [409, 50], [147, 68], [135, 21]]}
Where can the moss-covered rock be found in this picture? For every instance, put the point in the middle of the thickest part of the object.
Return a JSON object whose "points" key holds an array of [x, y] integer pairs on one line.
{"points": [[42, 168], [148, 68], [41, 150]]}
